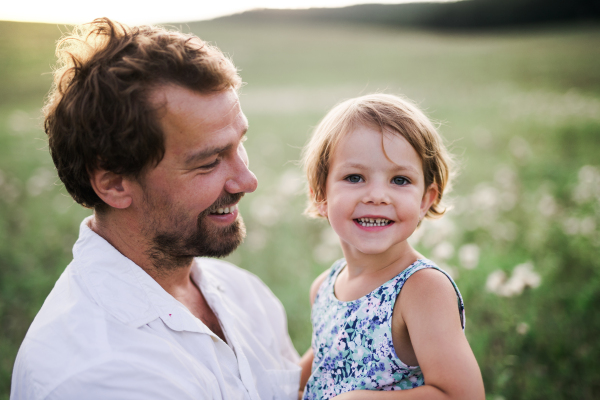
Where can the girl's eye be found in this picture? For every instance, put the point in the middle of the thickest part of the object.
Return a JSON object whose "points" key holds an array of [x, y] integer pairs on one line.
{"points": [[354, 178], [400, 180]]}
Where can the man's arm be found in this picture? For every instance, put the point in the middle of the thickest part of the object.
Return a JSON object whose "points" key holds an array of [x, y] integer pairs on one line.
{"points": [[124, 380]]}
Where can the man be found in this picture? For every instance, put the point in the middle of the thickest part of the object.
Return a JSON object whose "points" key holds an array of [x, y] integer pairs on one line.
{"points": [[145, 127]]}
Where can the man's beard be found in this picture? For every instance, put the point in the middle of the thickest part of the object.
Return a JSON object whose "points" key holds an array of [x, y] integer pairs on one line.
{"points": [[172, 248]]}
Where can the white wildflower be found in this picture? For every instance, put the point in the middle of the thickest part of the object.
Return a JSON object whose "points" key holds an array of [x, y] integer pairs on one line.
{"points": [[324, 253], [522, 276], [482, 137], [571, 226], [547, 205], [42, 180], [443, 251], [522, 328], [21, 121], [504, 231], [587, 226], [519, 148], [485, 197], [436, 231], [468, 255], [256, 239], [450, 270], [329, 237], [495, 281], [264, 211], [588, 186], [290, 182]]}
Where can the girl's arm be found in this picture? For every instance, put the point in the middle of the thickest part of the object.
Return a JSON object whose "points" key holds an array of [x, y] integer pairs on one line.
{"points": [[307, 359], [428, 306], [306, 364]]}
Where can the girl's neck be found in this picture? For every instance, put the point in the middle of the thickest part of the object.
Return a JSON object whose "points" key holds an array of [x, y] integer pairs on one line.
{"points": [[366, 272], [396, 258]]}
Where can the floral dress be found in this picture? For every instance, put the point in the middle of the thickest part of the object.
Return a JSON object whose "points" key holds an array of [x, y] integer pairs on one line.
{"points": [[352, 340]]}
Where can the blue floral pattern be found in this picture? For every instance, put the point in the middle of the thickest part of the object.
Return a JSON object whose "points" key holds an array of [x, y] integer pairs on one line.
{"points": [[352, 341]]}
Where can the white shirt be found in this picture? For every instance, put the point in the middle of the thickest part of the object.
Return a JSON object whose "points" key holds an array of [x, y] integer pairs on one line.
{"points": [[109, 331]]}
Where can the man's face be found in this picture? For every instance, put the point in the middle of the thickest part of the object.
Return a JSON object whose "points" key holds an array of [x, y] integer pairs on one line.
{"points": [[188, 202]]}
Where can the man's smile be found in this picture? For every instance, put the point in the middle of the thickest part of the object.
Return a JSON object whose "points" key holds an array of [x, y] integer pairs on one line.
{"points": [[225, 210]]}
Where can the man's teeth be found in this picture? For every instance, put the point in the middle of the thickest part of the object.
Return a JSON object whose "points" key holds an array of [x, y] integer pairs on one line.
{"points": [[373, 221], [226, 210]]}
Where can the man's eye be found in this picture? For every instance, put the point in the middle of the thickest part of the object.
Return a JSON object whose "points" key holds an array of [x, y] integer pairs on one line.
{"points": [[400, 180], [211, 165], [354, 178]]}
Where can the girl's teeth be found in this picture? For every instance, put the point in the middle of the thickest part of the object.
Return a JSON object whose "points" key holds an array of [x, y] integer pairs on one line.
{"points": [[373, 222]]}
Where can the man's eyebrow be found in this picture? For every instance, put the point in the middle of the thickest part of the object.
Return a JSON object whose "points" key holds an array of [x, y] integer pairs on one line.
{"points": [[209, 152], [204, 154]]}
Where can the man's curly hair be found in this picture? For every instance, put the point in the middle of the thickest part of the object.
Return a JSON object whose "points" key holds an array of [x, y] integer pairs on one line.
{"points": [[98, 114]]}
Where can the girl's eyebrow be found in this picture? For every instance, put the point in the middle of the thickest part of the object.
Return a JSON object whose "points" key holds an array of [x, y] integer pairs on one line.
{"points": [[398, 168]]}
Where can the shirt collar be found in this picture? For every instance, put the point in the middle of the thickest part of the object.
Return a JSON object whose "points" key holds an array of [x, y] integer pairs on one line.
{"points": [[125, 290]]}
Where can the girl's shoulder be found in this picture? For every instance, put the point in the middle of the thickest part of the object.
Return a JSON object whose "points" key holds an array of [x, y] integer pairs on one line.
{"points": [[431, 281]]}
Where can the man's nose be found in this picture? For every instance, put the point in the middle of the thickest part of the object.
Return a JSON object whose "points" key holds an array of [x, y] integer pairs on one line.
{"points": [[242, 179]]}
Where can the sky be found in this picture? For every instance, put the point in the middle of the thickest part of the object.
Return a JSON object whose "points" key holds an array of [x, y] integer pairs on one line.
{"points": [[150, 11]]}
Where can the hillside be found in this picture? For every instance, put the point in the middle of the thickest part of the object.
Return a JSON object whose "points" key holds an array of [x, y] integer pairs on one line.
{"points": [[467, 14]]}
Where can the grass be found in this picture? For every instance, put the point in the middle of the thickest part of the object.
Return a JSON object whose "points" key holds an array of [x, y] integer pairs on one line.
{"points": [[520, 109]]}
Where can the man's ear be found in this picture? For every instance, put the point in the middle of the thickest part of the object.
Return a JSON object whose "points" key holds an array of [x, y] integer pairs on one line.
{"points": [[113, 189], [429, 197]]}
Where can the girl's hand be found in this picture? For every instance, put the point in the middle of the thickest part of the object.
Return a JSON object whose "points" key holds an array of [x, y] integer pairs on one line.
{"points": [[352, 395], [305, 364]]}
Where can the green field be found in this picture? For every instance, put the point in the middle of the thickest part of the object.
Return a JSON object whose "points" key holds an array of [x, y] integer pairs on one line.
{"points": [[519, 109]]}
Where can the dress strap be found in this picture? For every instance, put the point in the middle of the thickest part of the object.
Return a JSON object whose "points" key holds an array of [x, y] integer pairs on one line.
{"points": [[423, 264]]}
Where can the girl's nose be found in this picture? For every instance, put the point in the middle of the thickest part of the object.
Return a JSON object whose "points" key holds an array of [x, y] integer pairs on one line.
{"points": [[376, 193]]}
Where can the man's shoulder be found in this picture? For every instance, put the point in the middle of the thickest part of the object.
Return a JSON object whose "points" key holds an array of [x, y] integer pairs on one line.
{"points": [[70, 334]]}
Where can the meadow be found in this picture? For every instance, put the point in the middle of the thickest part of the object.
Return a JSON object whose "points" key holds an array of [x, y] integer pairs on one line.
{"points": [[520, 110]]}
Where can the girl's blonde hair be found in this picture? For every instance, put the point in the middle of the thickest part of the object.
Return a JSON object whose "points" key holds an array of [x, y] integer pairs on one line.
{"points": [[386, 113]]}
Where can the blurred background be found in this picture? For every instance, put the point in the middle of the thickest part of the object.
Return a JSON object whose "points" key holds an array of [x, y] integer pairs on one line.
{"points": [[514, 86]]}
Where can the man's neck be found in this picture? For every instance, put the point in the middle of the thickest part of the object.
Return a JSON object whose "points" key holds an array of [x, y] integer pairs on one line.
{"points": [[125, 235]]}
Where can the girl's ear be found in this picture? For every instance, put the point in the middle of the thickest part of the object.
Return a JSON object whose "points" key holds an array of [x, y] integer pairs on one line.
{"points": [[322, 207], [429, 197]]}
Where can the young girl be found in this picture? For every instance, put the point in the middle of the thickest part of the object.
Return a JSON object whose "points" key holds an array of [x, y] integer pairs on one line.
{"points": [[384, 318]]}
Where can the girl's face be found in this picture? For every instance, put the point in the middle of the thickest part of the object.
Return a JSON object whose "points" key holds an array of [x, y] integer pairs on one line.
{"points": [[375, 193]]}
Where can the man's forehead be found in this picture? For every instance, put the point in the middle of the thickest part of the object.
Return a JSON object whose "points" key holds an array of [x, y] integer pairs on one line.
{"points": [[180, 108]]}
